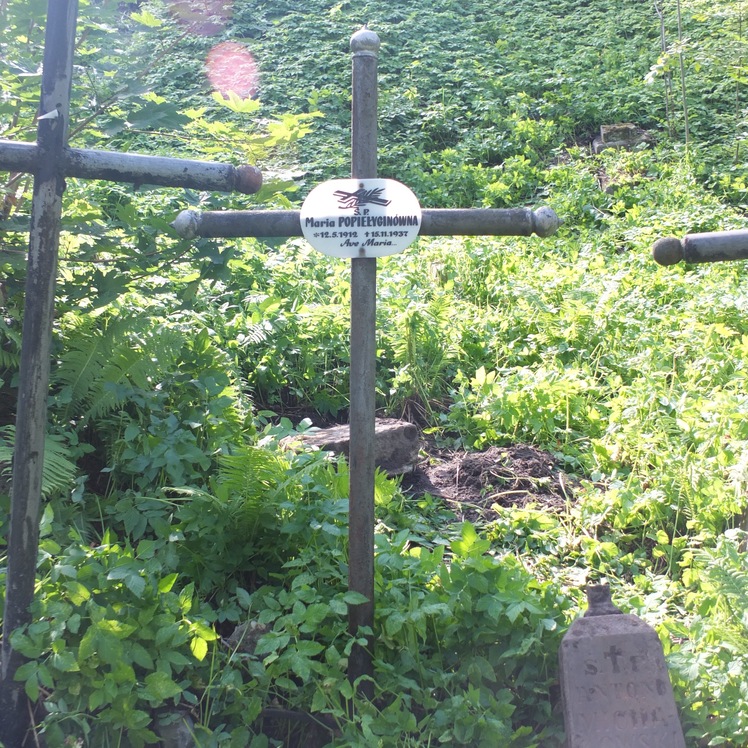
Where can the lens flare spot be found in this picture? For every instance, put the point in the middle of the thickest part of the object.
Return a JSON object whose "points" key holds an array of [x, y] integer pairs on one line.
{"points": [[231, 67], [203, 17]]}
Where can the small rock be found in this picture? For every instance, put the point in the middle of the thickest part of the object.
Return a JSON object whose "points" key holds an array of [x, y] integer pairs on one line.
{"points": [[622, 135], [396, 443], [177, 730], [245, 637]]}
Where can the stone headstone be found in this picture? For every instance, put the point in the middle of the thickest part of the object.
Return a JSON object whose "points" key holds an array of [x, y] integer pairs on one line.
{"points": [[396, 443], [614, 681]]}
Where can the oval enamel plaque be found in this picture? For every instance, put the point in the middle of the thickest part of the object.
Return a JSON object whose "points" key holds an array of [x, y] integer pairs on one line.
{"points": [[360, 217]]}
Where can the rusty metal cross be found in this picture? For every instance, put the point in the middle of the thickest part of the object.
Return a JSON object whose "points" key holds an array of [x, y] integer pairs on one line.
{"points": [[51, 161], [438, 222]]}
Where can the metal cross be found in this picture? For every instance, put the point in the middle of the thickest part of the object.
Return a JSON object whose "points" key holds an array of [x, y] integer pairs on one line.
{"points": [[50, 161], [259, 223]]}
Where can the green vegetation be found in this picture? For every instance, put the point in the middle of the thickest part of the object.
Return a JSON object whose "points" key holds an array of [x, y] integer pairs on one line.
{"points": [[173, 514]]}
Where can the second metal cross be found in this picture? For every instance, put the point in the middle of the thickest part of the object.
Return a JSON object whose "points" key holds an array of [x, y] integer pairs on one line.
{"points": [[519, 222]]}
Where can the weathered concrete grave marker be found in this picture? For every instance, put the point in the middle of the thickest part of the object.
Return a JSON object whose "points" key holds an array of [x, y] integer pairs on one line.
{"points": [[50, 160], [623, 135], [363, 218], [614, 681]]}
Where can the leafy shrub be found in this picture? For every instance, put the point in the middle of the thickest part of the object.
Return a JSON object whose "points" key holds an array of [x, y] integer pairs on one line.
{"points": [[545, 406], [111, 640], [447, 666]]}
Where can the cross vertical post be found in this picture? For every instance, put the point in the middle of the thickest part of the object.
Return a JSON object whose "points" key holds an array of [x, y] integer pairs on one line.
{"points": [[31, 419], [364, 48]]}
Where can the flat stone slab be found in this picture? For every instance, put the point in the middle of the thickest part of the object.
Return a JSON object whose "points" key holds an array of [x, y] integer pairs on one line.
{"points": [[622, 135], [396, 443], [615, 685]]}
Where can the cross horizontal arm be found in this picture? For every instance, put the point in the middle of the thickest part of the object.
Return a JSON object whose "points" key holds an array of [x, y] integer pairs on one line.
{"points": [[711, 246], [435, 222], [135, 168]]}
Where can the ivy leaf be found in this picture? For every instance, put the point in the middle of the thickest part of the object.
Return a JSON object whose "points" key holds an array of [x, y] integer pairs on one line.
{"points": [[119, 629], [78, 592], [131, 577], [167, 583], [271, 642], [309, 648], [300, 666], [185, 598], [394, 623], [65, 662], [469, 544], [243, 598], [338, 607], [31, 686], [88, 644], [355, 598]]}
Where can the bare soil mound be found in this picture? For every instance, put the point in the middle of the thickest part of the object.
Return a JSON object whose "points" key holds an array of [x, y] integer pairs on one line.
{"points": [[473, 484]]}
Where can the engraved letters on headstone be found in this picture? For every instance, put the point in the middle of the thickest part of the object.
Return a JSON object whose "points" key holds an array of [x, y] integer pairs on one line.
{"points": [[614, 681]]}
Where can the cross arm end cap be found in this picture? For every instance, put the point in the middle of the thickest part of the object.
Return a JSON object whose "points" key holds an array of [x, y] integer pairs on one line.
{"points": [[186, 223], [365, 41], [667, 251], [545, 222], [248, 179]]}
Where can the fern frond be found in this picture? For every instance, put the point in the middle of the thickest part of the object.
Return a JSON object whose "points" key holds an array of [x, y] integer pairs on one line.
{"points": [[252, 472], [132, 363], [255, 334], [100, 366], [58, 472], [10, 346], [9, 360], [87, 348], [725, 569], [79, 367], [251, 479]]}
